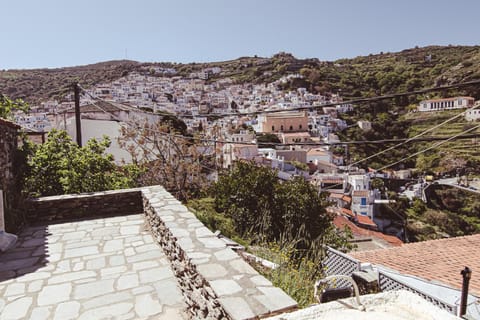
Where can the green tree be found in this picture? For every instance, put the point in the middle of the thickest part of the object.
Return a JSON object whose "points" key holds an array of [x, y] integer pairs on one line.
{"points": [[60, 166], [267, 210], [267, 140], [8, 106]]}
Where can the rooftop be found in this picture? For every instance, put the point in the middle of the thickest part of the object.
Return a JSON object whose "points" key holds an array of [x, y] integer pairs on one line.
{"points": [[392, 305], [360, 193], [88, 257], [434, 260], [108, 267]]}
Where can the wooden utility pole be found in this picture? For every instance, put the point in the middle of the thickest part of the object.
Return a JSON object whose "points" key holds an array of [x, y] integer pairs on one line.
{"points": [[76, 89]]}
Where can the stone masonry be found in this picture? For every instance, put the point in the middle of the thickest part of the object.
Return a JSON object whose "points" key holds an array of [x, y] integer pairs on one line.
{"points": [[80, 206], [8, 147], [215, 282], [102, 268]]}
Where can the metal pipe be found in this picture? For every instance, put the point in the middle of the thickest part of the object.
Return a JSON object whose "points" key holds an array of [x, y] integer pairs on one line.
{"points": [[360, 306], [466, 274]]}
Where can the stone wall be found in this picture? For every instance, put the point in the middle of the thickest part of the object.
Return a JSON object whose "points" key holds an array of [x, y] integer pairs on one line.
{"points": [[215, 281], [80, 206], [8, 147]]}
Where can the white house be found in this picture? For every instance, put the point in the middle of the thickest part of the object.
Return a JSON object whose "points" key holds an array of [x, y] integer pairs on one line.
{"points": [[472, 115], [234, 152], [365, 125], [359, 181], [315, 155], [446, 104], [243, 136]]}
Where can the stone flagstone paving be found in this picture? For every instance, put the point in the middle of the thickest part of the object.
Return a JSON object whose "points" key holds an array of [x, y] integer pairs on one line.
{"points": [[107, 268]]}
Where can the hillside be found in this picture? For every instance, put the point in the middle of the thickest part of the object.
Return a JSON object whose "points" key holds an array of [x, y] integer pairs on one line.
{"points": [[358, 77], [37, 85], [364, 76]]}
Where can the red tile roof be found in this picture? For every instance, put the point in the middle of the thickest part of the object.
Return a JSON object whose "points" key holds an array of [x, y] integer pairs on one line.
{"points": [[360, 193], [347, 212], [438, 260], [339, 181], [448, 99], [366, 221], [335, 195], [347, 199], [341, 222]]}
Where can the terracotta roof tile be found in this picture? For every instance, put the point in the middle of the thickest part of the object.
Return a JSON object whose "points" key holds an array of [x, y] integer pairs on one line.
{"points": [[360, 193], [336, 195], [347, 212], [440, 260], [341, 222], [366, 221]]}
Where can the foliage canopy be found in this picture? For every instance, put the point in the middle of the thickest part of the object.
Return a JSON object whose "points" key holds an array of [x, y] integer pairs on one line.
{"points": [[60, 166]]}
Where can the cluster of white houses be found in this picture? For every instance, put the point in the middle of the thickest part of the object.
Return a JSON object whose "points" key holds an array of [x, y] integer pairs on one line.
{"points": [[300, 132]]}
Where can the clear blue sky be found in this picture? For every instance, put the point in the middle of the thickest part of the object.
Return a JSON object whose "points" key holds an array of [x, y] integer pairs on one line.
{"points": [[57, 33]]}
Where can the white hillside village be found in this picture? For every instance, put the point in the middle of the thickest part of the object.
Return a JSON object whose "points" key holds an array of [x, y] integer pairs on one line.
{"points": [[231, 114]]}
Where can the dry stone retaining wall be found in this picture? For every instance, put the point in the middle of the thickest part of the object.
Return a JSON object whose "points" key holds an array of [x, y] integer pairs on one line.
{"points": [[80, 206]]}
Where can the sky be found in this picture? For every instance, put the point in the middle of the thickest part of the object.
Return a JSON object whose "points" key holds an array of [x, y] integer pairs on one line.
{"points": [[61, 33]]}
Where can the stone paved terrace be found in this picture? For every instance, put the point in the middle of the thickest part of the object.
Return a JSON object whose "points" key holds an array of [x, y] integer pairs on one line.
{"points": [[162, 264], [91, 269]]}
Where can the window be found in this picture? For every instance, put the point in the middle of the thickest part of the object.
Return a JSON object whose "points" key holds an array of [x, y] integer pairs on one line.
{"points": [[459, 102], [281, 127], [300, 127], [363, 201], [291, 128], [273, 128], [363, 213]]}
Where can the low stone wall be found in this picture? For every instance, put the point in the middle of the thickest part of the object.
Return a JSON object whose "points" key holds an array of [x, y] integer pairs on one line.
{"points": [[215, 281], [80, 206]]}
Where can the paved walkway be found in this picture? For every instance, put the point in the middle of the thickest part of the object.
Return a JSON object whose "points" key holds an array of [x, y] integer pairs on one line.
{"points": [[93, 269]]}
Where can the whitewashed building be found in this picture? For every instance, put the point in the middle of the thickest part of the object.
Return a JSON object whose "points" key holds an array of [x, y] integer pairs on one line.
{"points": [[446, 104], [472, 115]]}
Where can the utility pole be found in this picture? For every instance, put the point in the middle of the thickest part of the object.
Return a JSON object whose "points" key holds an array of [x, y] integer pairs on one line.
{"points": [[76, 89]]}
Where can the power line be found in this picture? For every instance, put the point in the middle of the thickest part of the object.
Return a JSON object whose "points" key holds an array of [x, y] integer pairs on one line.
{"points": [[429, 148], [330, 104], [415, 137], [276, 144]]}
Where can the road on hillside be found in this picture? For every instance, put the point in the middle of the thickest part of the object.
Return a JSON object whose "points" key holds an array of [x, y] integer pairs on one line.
{"points": [[453, 183]]}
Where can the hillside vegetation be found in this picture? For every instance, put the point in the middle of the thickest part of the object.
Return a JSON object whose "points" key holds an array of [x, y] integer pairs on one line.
{"points": [[358, 77], [364, 76]]}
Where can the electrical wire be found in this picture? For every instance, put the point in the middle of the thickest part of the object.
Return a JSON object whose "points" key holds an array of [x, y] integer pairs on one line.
{"points": [[276, 144], [429, 148], [415, 137], [330, 104]]}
